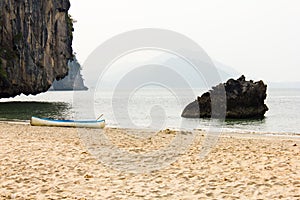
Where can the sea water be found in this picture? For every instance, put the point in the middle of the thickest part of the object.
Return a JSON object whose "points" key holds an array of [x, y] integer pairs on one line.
{"points": [[149, 108]]}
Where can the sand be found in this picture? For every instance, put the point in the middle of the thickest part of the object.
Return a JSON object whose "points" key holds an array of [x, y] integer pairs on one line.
{"points": [[54, 163]]}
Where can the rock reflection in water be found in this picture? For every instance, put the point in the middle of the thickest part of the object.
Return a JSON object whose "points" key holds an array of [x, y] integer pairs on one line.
{"points": [[24, 110]]}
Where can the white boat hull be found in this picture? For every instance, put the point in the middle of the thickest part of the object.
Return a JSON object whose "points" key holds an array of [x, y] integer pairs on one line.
{"points": [[35, 121]]}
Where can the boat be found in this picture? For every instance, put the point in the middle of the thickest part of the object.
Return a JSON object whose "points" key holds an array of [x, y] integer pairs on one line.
{"points": [[36, 121]]}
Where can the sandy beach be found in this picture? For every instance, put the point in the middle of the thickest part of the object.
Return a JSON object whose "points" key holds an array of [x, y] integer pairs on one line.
{"points": [[53, 163]]}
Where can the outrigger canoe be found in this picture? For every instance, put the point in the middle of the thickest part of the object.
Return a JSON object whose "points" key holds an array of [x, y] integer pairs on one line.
{"points": [[35, 121]]}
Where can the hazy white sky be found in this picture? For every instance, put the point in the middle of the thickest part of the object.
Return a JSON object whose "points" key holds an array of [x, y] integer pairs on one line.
{"points": [[260, 38]]}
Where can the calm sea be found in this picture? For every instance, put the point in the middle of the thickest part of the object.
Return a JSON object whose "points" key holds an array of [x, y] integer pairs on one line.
{"points": [[147, 108]]}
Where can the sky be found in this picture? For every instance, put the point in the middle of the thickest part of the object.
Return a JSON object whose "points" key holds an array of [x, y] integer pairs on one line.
{"points": [[259, 38]]}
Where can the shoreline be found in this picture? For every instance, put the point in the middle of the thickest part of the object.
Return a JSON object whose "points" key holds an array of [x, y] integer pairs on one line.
{"points": [[231, 132], [53, 162]]}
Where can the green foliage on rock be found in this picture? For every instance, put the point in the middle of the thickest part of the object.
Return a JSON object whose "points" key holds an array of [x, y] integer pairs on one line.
{"points": [[3, 73], [70, 22], [18, 38], [7, 54]]}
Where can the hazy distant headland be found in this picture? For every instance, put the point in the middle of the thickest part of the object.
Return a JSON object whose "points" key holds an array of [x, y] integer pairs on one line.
{"points": [[140, 71]]}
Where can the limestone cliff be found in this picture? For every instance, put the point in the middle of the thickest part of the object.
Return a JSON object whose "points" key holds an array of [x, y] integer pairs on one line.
{"points": [[35, 45]]}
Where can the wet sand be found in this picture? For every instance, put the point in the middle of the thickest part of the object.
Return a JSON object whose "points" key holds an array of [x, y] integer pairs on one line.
{"points": [[54, 163]]}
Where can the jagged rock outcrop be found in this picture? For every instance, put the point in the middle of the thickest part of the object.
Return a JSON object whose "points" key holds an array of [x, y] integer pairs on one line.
{"points": [[243, 99], [35, 45], [73, 81]]}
